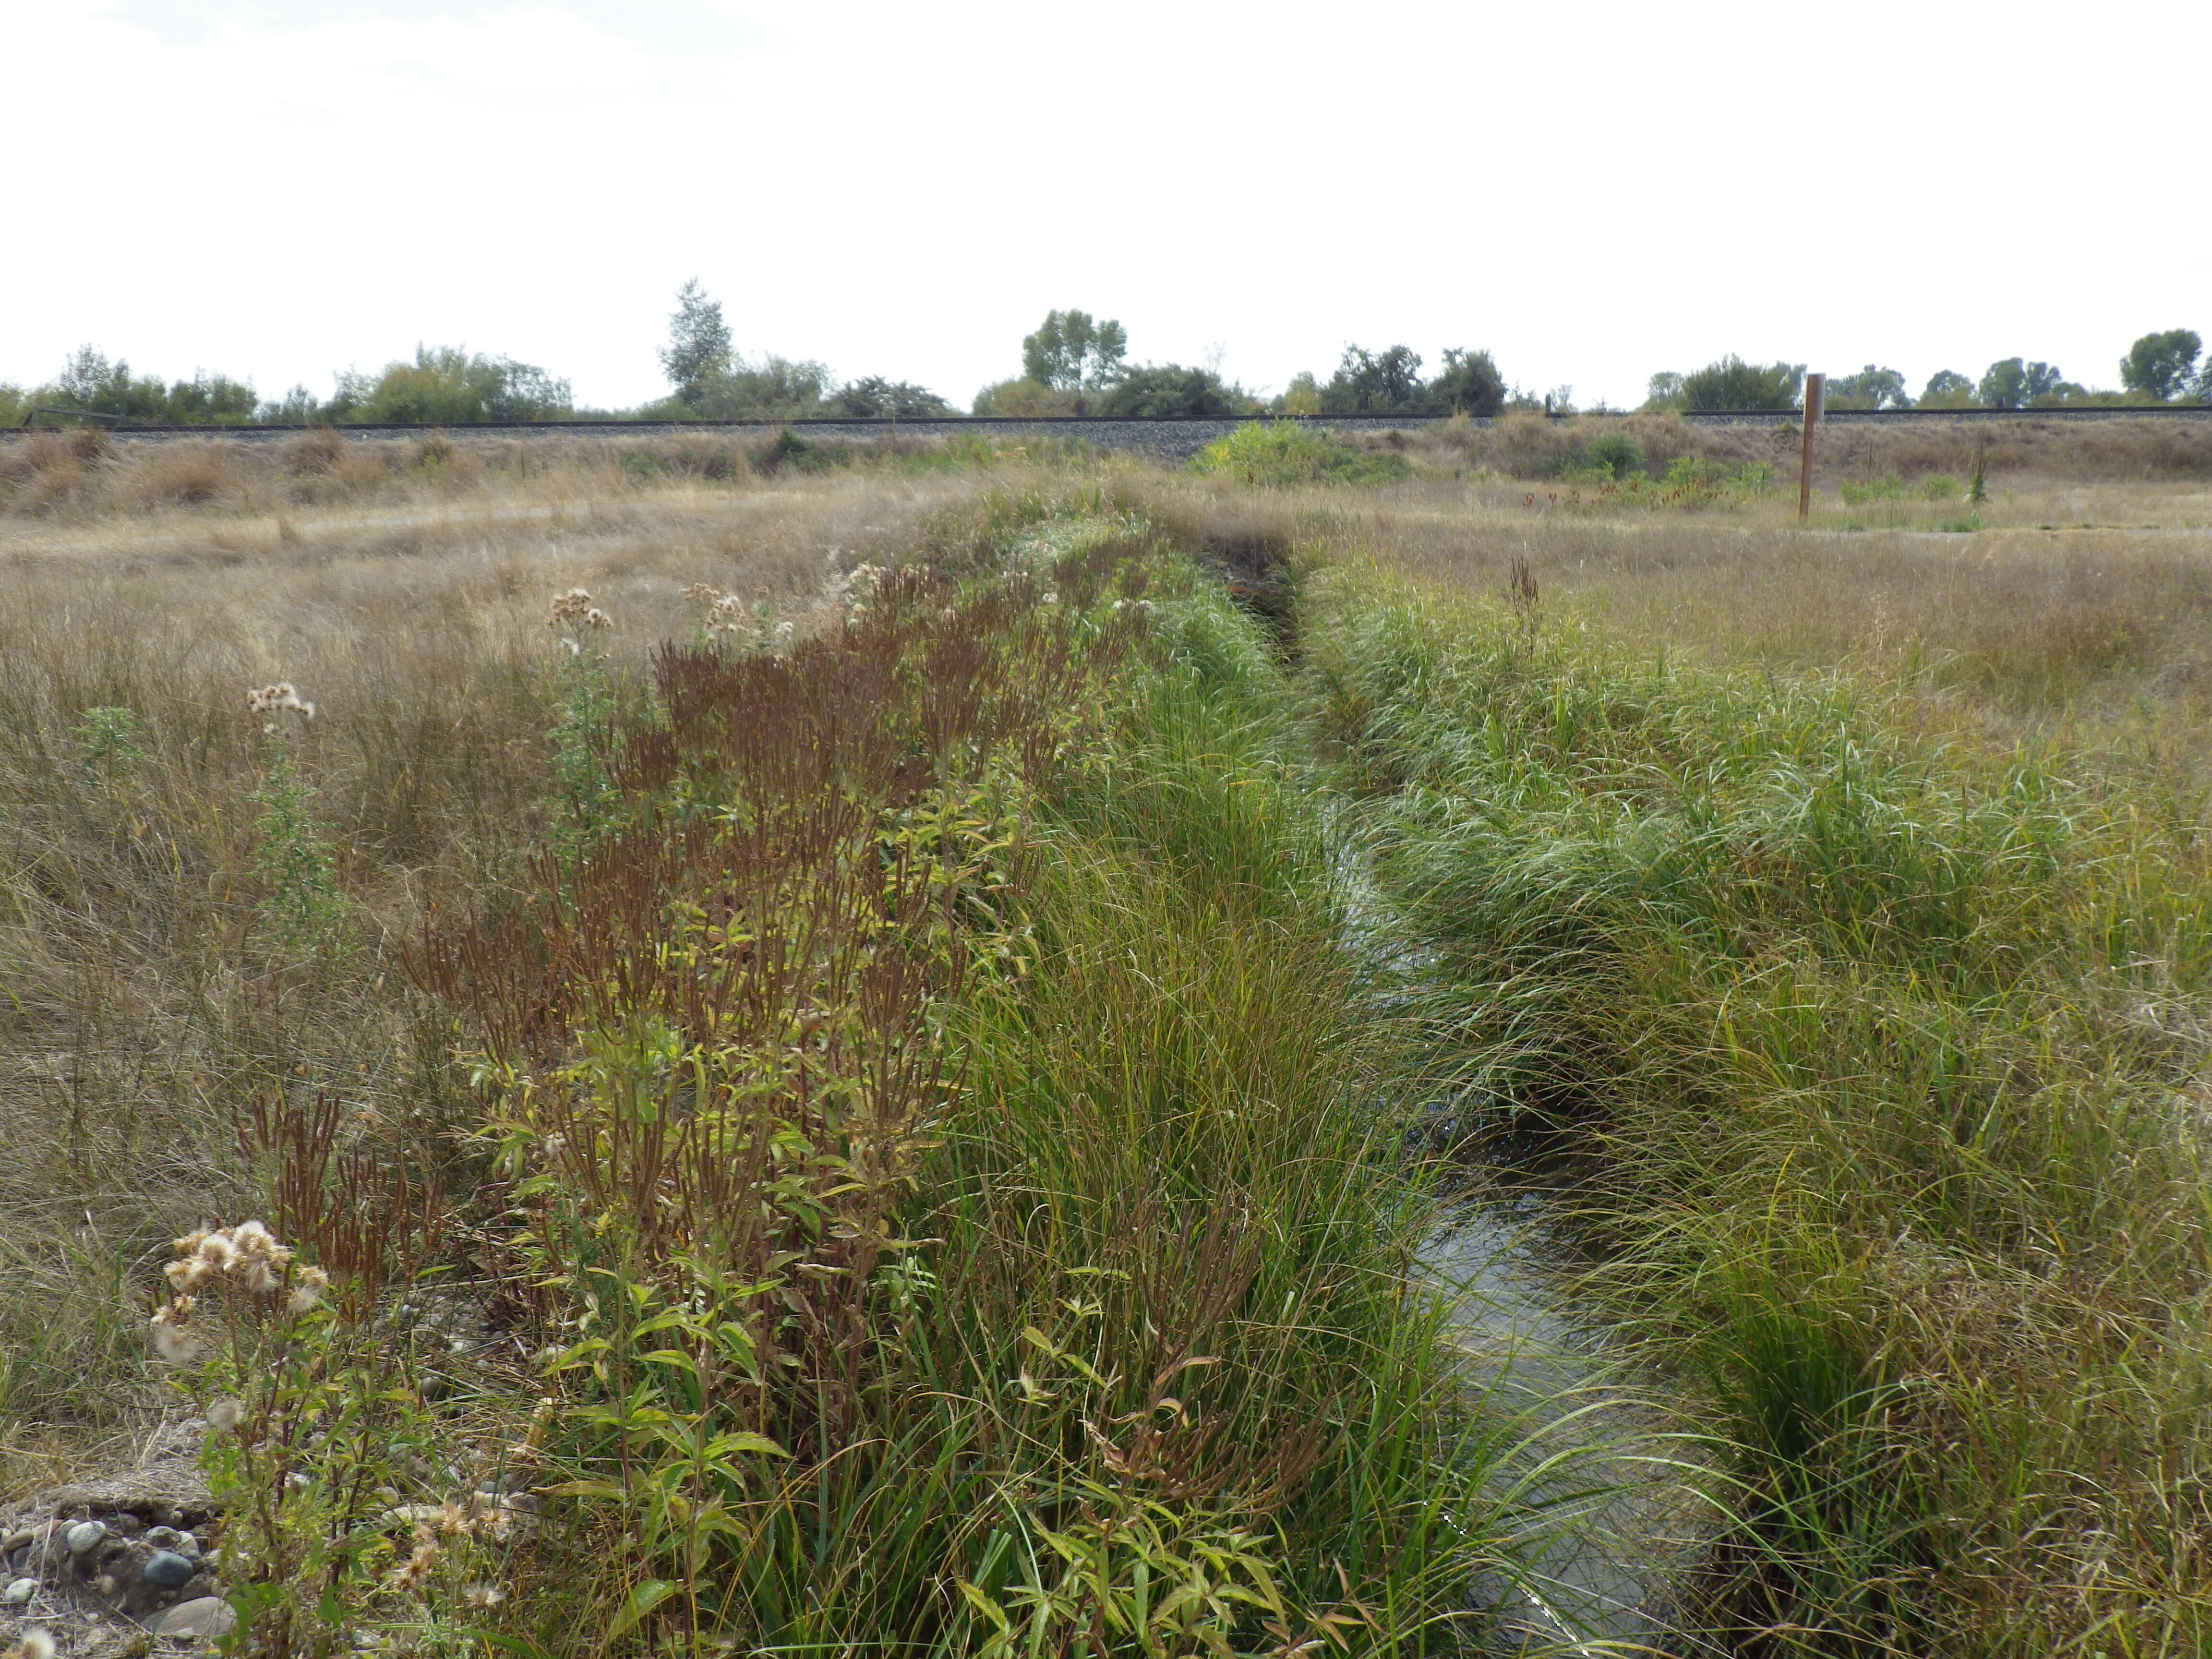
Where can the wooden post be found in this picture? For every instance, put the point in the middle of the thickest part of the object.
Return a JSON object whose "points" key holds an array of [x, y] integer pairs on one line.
{"points": [[1815, 385]]}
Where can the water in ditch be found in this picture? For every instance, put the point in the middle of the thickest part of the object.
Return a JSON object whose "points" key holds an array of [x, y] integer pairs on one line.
{"points": [[1614, 1484]]}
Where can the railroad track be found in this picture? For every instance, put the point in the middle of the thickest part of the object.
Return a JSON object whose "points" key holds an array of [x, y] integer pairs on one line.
{"points": [[1176, 436]]}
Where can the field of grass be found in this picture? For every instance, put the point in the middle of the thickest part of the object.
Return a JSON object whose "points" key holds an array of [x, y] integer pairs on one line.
{"points": [[897, 1092]]}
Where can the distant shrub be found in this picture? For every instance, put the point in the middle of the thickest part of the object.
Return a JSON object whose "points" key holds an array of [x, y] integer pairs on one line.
{"points": [[1857, 492], [1167, 390], [188, 473], [1031, 398], [1732, 383], [718, 462], [875, 399], [1262, 455], [1301, 397], [311, 455], [1617, 453], [447, 386], [788, 449], [1888, 487]]}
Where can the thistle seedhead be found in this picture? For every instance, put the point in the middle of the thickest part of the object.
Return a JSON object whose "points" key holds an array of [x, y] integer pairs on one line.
{"points": [[569, 608], [246, 1260], [280, 699]]}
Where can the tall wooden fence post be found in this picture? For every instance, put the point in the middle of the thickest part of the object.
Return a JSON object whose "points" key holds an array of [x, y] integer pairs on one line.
{"points": [[1815, 387]]}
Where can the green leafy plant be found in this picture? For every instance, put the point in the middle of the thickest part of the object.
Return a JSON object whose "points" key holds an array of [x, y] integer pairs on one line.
{"points": [[111, 743], [301, 904], [1617, 453], [1857, 492], [317, 1430], [585, 797], [1280, 453]]}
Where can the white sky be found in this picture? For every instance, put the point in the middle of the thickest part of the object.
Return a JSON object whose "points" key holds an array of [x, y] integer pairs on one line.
{"points": [[1593, 191]]}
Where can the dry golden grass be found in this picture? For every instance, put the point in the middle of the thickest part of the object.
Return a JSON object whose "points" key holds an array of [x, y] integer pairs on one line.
{"points": [[2105, 450], [141, 1016], [2094, 633]]}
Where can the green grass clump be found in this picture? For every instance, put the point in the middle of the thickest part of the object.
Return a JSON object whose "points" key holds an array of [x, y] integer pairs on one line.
{"points": [[1275, 455], [1874, 1067]]}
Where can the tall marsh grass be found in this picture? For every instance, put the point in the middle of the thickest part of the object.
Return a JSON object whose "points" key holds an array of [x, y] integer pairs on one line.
{"points": [[1872, 1080]]}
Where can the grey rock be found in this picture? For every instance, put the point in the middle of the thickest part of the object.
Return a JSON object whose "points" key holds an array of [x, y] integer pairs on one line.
{"points": [[174, 1538], [19, 1592], [168, 1569], [85, 1537], [207, 1616]]}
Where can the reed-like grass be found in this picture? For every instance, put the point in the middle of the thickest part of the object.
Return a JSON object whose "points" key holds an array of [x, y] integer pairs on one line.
{"points": [[1871, 1078]]}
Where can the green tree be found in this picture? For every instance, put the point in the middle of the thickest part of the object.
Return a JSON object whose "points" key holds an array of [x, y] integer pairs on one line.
{"points": [[1870, 388], [90, 382], [298, 407], [772, 388], [1470, 384], [1663, 391], [698, 349], [1163, 390], [2159, 365], [1070, 353], [1947, 389], [211, 400], [2015, 384], [1387, 382], [1301, 397], [1734, 384]]}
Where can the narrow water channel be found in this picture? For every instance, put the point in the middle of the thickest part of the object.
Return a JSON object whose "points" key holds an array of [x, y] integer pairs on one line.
{"points": [[1619, 1516]]}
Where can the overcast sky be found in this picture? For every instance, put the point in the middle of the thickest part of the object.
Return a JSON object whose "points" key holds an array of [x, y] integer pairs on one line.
{"points": [[278, 189]]}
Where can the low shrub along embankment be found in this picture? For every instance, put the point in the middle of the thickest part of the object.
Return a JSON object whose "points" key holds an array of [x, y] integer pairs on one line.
{"points": [[1874, 1071]]}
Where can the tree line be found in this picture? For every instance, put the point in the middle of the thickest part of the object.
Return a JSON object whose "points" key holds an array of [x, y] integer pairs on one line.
{"points": [[1072, 365], [2161, 367]]}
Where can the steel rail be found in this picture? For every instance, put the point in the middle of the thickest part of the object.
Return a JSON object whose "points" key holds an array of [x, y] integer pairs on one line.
{"points": [[938, 423]]}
